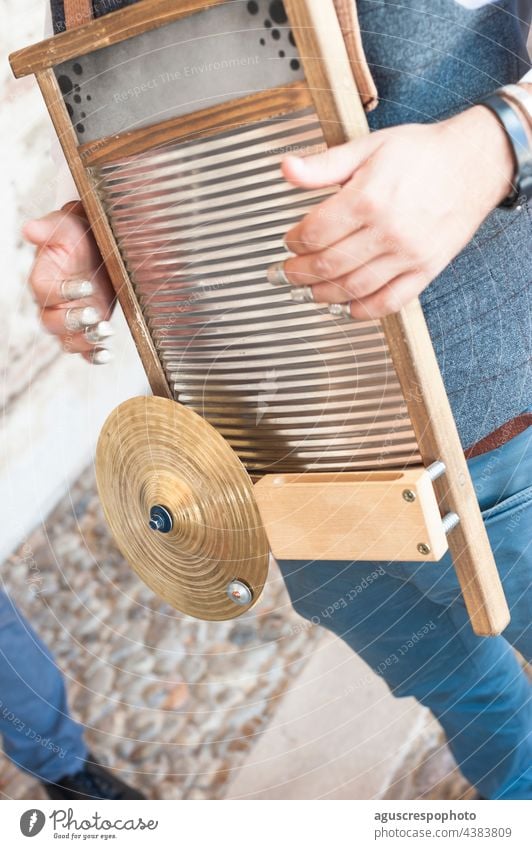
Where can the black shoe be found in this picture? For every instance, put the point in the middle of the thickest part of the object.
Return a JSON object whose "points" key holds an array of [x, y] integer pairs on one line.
{"points": [[93, 781]]}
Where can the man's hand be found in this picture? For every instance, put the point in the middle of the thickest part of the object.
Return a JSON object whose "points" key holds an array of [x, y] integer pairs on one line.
{"points": [[69, 274], [412, 197]]}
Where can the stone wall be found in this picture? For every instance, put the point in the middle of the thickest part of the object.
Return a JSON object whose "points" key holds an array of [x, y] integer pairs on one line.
{"points": [[52, 404]]}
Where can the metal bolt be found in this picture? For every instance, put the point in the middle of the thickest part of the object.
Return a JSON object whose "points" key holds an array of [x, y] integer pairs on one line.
{"points": [[239, 593], [409, 496], [450, 521], [423, 549], [160, 519], [436, 470]]}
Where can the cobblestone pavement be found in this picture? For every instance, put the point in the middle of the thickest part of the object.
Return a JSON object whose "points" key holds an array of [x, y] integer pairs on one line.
{"points": [[429, 770], [172, 702]]}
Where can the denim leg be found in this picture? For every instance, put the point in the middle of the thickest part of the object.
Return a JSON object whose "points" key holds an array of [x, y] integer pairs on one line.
{"points": [[408, 621], [474, 686], [503, 483], [513, 717], [38, 733]]}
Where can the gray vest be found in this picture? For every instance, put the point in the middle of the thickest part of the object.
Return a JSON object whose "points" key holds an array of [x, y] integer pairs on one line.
{"points": [[431, 59]]}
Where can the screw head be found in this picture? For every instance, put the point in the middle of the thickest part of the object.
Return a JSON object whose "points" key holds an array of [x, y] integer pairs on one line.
{"points": [[409, 496], [423, 548], [239, 593], [160, 519]]}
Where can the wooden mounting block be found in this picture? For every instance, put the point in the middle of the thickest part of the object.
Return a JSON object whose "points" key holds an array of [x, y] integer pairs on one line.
{"points": [[352, 516]]}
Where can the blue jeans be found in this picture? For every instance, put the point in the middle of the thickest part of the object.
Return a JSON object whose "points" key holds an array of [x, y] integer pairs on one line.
{"points": [[409, 623], [38, 734]]}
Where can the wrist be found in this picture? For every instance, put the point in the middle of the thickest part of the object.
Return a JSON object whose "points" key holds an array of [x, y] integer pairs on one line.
{"points": [[488, 158]]}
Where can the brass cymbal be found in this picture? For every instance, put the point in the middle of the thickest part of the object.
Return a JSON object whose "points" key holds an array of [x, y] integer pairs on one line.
{"points": [[181, 508]]}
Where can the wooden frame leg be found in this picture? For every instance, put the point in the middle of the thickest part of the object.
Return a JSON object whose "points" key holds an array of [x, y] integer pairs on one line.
{"points": [[337, 102]]}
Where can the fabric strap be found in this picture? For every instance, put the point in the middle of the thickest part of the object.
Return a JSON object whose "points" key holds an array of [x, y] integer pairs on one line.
{"points": [[348, 18], [77, 13]]}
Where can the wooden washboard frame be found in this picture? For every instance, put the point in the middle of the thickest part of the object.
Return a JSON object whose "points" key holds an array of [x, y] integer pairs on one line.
{"points": [[330, 88]]}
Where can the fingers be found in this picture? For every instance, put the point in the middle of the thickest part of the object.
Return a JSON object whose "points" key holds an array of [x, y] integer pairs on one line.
{"points": [[360, 284], [338, 216], [79, 327], [65, 263], [98, 357], [61, 292], [371, 292], [70, 282], [89, 340], [77, 343], [53, 291], [332, 167], [74, 319], [337, 262], [389, 299], [327, 224]]}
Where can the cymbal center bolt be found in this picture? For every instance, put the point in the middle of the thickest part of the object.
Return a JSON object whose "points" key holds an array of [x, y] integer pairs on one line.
{"points": [[239, 593], [161, 519]]}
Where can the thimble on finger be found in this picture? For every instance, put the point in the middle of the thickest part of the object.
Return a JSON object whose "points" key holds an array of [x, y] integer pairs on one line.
{"points": [[100, 357], [75, 290], [77, 318], [277, 275], [302, 294], [340, 310], [98, 332]]}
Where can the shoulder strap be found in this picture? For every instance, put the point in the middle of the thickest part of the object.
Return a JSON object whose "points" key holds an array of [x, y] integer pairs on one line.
{"points": [[77, 13], [346, 11]]}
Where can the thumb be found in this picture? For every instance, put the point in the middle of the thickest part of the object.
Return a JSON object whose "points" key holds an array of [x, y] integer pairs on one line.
{"points": [[332, 167], [58, 228]]}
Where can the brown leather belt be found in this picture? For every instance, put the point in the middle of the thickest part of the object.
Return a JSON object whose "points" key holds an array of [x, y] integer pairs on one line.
{"points": [[500, 436]]}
